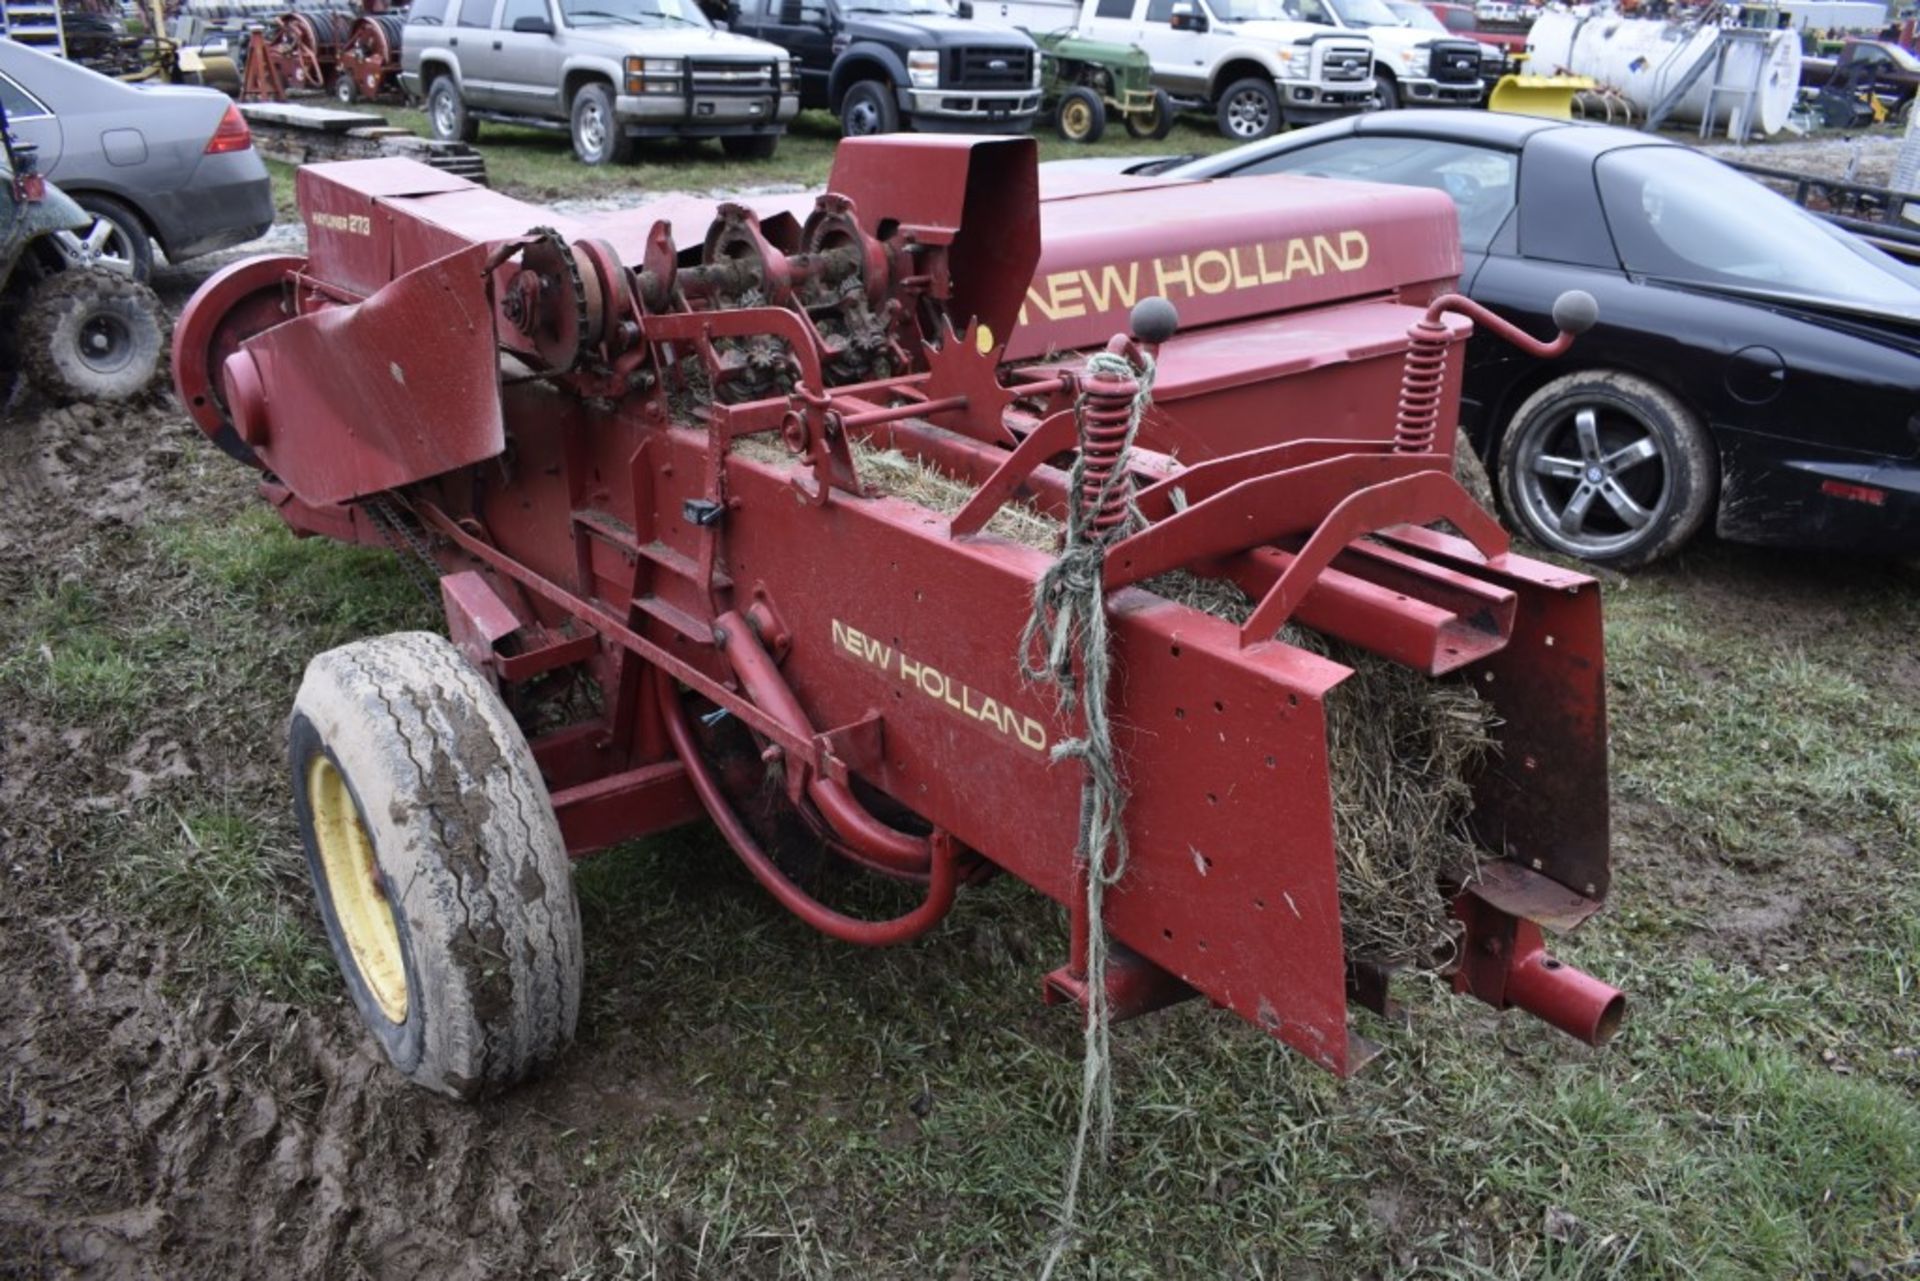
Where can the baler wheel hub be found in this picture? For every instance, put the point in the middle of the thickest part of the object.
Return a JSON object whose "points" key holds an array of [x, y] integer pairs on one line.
{"points": [[355, 886]]}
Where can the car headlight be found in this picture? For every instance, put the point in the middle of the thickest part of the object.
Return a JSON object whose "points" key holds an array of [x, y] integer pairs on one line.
{"points": [[1036, 71], [789, 75], [923, 68], [653, 75], [1414, 61], [1299, 63]]}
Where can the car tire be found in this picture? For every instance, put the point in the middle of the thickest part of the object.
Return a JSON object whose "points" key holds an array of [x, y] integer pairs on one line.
{"points": [[117, 241], [598, 138], [94, 335], [1249, 110], [1608, 467], [869, 109], [1081, 116], [447, 117], [1156, 126], [438, 864], [1387, 90], [755, 146], [345, 91]]}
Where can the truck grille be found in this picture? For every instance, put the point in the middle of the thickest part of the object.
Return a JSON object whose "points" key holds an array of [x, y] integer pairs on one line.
{"points": [[1344, 62], [990, 68], [734, 77], [1454, 62]]}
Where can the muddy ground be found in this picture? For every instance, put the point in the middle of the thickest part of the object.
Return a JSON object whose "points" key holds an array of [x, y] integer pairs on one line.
{"points": [[163, 1115]]}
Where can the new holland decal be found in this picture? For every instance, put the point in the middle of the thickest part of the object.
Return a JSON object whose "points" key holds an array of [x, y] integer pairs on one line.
{"points": [[939, 686], [1079, 291]]}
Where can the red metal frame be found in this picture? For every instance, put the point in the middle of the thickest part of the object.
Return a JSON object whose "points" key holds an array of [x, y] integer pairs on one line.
{"points": [[567, 434]]}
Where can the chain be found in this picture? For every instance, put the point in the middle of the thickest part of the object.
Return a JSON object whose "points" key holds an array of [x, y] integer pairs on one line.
{"points": [[413, 552]]}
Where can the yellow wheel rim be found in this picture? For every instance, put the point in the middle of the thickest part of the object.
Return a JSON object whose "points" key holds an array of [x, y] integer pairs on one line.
{"points": [[1078, 119], [353, 885]]}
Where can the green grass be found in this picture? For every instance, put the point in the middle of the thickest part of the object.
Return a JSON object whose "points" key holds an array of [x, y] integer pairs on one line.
{"points": [[539, 163]]}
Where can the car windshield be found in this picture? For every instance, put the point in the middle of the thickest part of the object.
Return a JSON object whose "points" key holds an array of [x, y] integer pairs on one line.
{"points": [[1365, 13], [642, 13], [1679, 215], [938, 8], [1417, 16]]}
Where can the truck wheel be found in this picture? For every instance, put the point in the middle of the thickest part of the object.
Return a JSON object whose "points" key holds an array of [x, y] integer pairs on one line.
{"points": [[117, 240], [1249, 109], [869, 109], [92, 334], [1608, 467], [598, 138], [757, 146], [1081, 116], [447, 114], [1157, 124], [439, 867], [345, 91], [1387, 90]]}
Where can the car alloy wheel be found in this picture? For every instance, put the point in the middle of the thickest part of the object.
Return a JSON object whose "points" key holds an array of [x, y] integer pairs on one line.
{"points": [[1607, 466], [103, 245], [863, 120], [593, 128], [1249, 115], [444, 123]]}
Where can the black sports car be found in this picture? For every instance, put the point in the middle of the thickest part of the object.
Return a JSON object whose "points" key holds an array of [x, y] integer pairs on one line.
{"points": [[1751, 363]]}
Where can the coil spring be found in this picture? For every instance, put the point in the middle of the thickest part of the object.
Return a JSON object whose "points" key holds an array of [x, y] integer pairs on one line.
{"points": [[1417, 418], [1105, 415]]}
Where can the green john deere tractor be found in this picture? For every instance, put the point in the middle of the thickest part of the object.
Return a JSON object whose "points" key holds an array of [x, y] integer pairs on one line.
{"points": [[1085, 81], [75, 330]]}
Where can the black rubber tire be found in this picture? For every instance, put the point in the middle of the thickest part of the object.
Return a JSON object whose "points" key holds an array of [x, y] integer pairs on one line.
{"points": [[869, 109], [1674, 485], [1249, 110], [1903, 113], [1159, 124], [1387, 90], [1080, 116], [129, 229], [66, 315], [592, 116], [751, 146], [345, 91], [466, 852], [447, 117]]}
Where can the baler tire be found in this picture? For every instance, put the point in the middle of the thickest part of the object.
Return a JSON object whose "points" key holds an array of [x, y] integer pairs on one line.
{"points": [[1156, 126], [1625, 410], [438, 863], [1081, 116], [68, 311], [447, 117]]}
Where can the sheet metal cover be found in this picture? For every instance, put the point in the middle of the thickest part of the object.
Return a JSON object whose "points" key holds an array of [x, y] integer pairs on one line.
{"points": [[1228, 250], [387, 392]]}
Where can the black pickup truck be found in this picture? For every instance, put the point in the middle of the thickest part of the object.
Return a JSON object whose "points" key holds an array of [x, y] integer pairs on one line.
{"points": [[886, 65]]}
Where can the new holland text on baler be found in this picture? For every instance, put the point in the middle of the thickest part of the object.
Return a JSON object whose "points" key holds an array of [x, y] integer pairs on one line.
{"points": [[637, 472]]}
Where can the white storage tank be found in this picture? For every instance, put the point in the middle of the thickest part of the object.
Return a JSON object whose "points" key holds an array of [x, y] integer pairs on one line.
{"points": [[1645, 59]]}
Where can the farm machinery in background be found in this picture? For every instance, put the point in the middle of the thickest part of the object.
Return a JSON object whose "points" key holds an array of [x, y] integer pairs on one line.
{"points": [[351, 53], [676, 475]]}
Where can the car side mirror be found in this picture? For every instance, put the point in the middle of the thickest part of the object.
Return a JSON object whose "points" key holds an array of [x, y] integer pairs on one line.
{"points": [[532, 25], [790, 15], [964, 8], [1187, 18]]}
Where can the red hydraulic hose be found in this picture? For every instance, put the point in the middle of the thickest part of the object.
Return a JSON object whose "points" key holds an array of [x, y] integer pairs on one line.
{"points": [[871, 840], [848, 929]]}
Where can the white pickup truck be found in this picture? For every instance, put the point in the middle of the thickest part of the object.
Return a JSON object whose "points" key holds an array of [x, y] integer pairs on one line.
{"points": [[1256, 65], [1416, 67]]}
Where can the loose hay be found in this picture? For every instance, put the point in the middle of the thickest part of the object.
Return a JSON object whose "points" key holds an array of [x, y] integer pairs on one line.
{"points": [[1401, 746]]}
